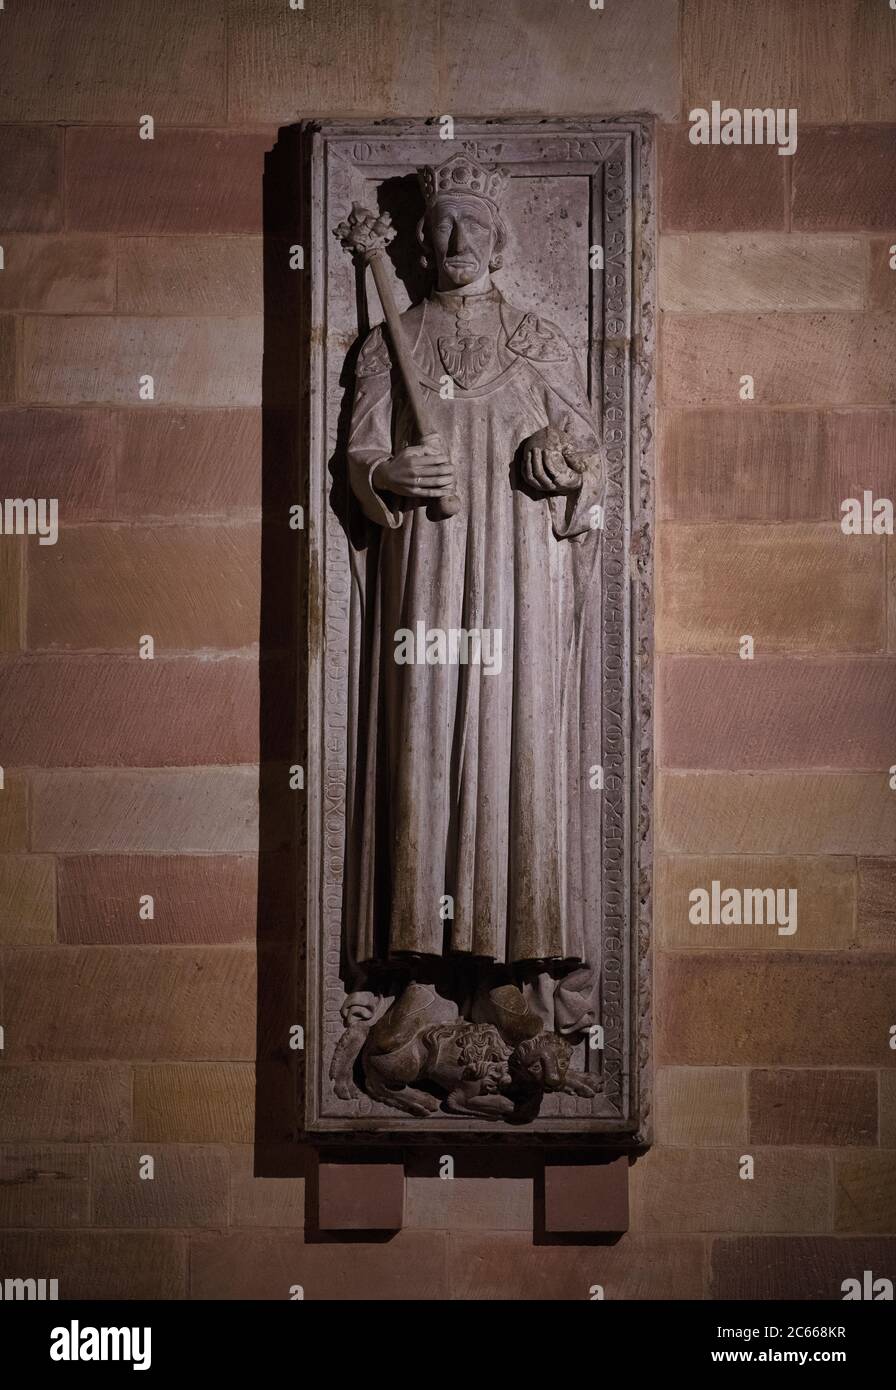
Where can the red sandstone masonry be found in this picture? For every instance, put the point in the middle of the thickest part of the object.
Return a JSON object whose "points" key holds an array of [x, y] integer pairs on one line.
{"points": [[877, 903], [744, 465], [159, 811], [339, 80], [467, 1203], [795, 359], [586, 1197], [772, 465], [102, 1264], [196, 1102], [58, 275], [189, 1185], [103, 588], [275, 1203], [31, 168], [122, 711], [190, 275], [883, 276], [522, 56], [799, 1267], [109, 62], [795, 589], [12, 597], [366, 1196], [67, 1102], [44, 1186], [844, 178], [181, 181], [872, 50], [100, 1004], [14, 807], [27, 900], [788, 1191], [775, 713], [66, 454], [813, 1107], [102, 360], [700, 1106], [708, 273], [173, 463], [822, 56], [825, 888], [773, 1011], [197, 899], [775, 813], [887, 1101], [506, 1265], [862, 448], [8, 358], [256, 1265], [705, 188], [891, 593]]}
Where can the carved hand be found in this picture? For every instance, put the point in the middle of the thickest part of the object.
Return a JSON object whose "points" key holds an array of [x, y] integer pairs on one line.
{"points": [[551, 462], [420, 470]]}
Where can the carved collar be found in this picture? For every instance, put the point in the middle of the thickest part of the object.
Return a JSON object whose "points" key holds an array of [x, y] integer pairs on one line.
{"points": [[452, 300]]}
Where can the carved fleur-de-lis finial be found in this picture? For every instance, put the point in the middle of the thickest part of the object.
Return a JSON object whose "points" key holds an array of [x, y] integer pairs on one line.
{"points": [[365, 233]]}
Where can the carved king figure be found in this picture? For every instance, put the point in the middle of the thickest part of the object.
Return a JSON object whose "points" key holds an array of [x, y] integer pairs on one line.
{"points": [[469, 781]]}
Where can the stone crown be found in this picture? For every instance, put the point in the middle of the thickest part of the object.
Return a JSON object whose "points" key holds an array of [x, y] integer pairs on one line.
{"points": [[463, 177]]}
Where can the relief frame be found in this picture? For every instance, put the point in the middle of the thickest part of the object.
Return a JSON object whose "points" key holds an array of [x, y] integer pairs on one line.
{"points": [[595, 176]]}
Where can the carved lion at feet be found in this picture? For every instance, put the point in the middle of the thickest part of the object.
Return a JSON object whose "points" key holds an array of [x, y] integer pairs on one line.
{"points": [[484, 1070], [468, 1061]]}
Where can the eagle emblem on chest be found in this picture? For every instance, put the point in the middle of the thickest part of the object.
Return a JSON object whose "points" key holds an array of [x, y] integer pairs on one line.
{"points": [[466, 357]]}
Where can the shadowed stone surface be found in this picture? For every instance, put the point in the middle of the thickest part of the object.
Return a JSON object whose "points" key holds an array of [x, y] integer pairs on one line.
{"points": [[586, 1196], [360, 1196]]}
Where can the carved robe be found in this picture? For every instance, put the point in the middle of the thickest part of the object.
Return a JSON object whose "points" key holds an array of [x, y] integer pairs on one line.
{"points": [[467, 785]]}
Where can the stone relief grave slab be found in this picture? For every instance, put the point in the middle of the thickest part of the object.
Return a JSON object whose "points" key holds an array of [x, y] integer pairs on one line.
{"points": [[479, 334]]}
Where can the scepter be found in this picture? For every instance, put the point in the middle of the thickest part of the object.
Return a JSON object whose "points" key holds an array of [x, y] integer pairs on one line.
{"points": [[367, 234]]}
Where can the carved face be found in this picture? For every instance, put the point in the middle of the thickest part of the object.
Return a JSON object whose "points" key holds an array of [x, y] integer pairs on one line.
{"points": [[541, 1061], [462, 231]]}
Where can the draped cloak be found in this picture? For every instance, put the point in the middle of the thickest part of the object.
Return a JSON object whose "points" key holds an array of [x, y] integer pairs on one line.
{"points": [[466, 785]]}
